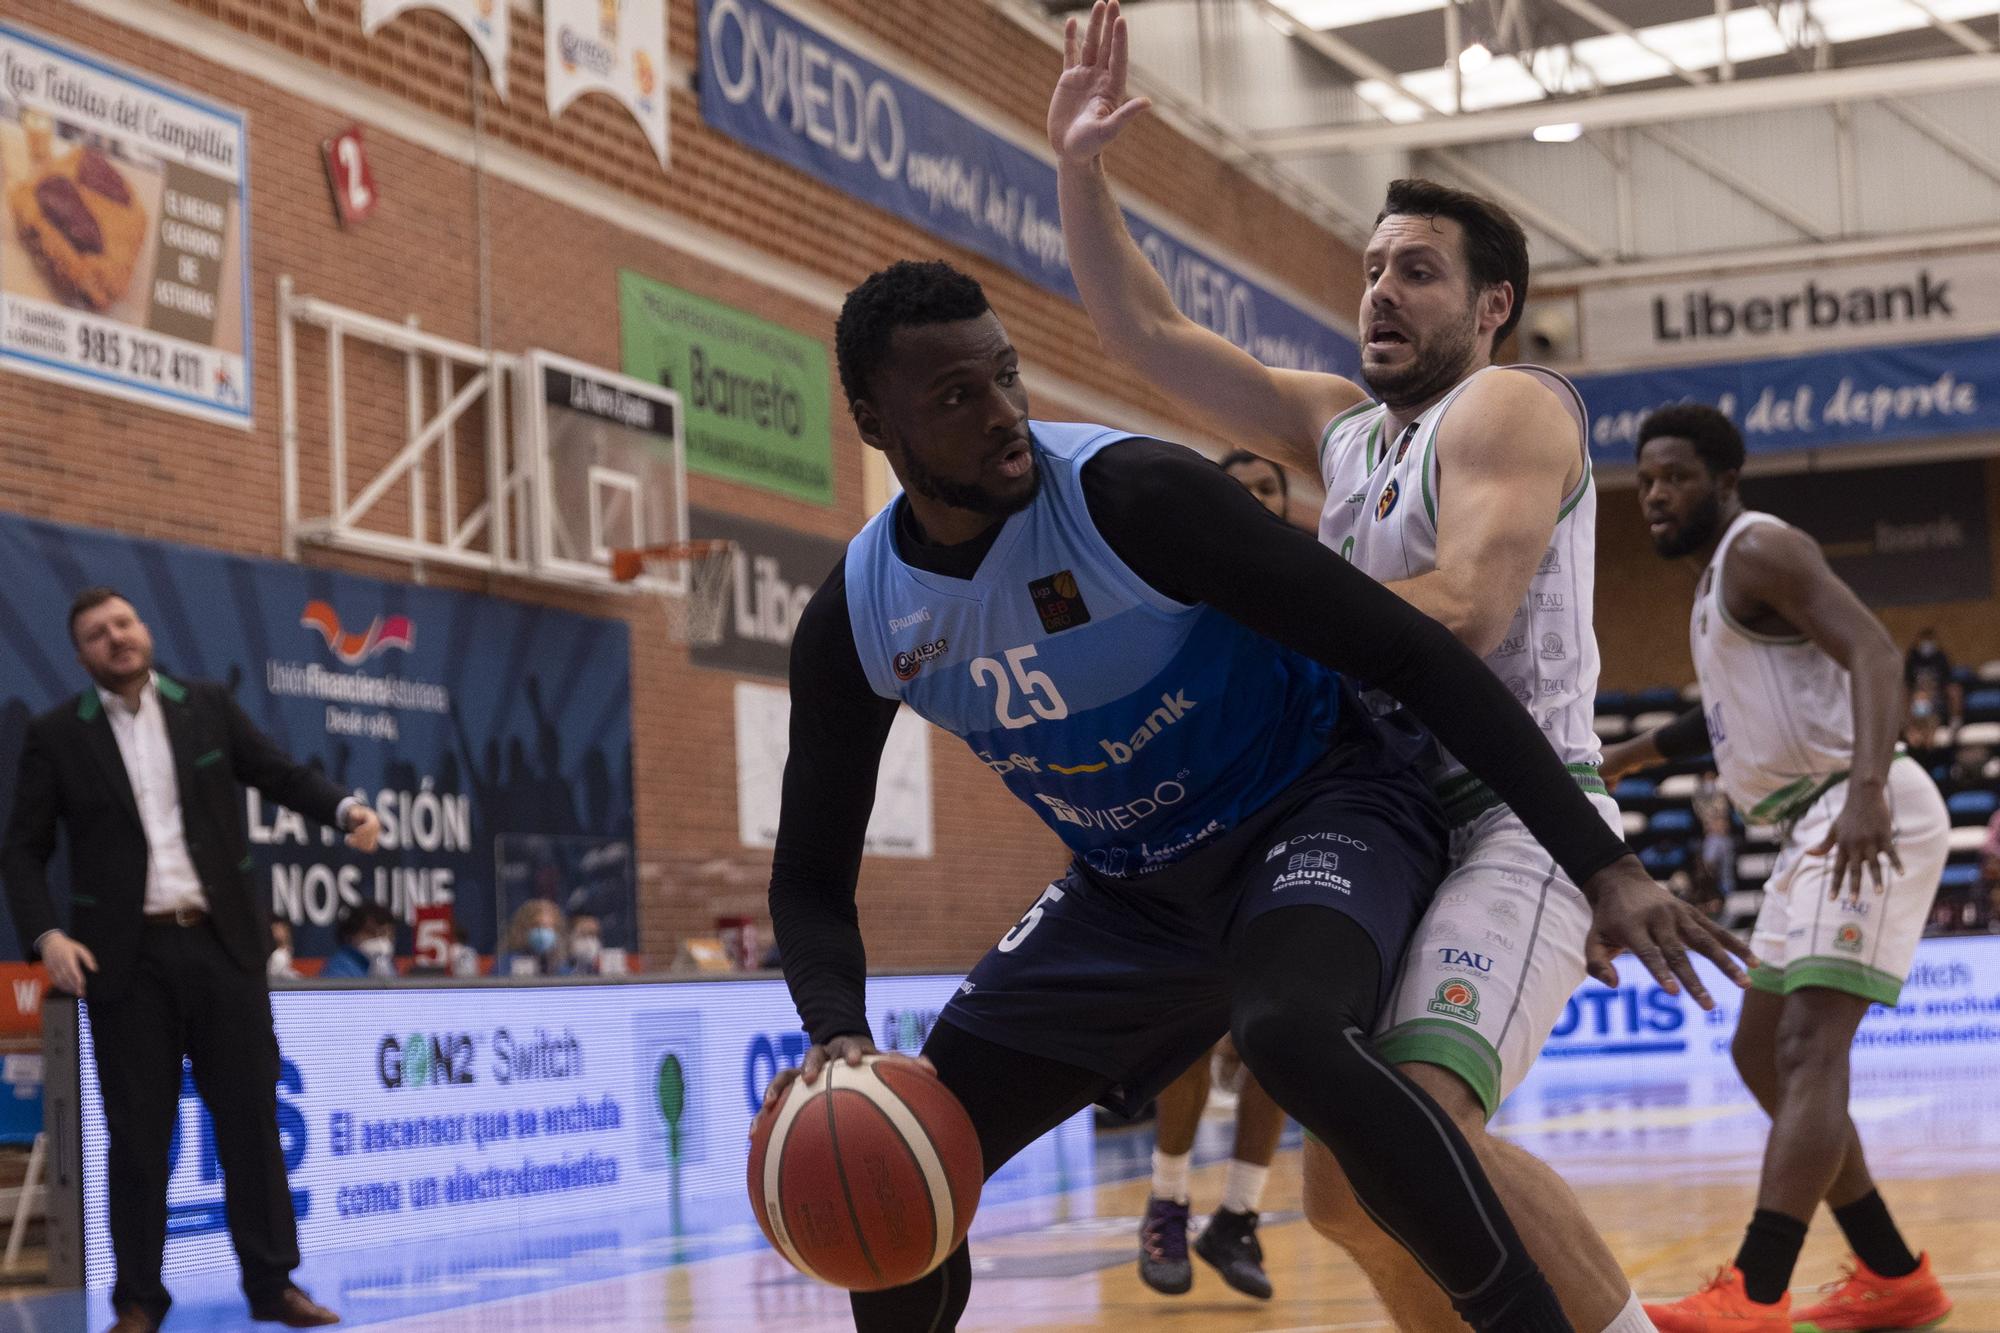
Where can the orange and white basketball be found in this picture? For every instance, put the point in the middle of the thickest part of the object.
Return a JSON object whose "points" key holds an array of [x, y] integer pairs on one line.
{"points": [[868, 1178]]}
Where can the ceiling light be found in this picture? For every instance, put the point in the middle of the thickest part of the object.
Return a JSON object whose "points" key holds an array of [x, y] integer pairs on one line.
{"points": [[1567, 132]]}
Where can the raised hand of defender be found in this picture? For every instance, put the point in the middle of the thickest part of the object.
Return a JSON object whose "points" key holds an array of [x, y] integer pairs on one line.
{"points": [[1629, 911], [1090, 107], [1863, 834], [848, 1049]]}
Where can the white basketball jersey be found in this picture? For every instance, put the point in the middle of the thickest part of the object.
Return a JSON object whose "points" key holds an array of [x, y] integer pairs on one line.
{"points": [[1780, 711], [1381, 516]]}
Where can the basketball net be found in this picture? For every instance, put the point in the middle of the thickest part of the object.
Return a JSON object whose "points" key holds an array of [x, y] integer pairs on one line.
{"points": [[690, 578]]}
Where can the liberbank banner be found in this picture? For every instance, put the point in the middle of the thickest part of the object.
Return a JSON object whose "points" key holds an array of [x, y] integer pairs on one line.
{"points": [[493, 737], [1861, 395], [786, 88], [414, 1119]]}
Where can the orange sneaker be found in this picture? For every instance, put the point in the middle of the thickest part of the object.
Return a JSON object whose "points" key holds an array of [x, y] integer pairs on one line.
{"points": [[1723, 1307], [1864, 1300]]}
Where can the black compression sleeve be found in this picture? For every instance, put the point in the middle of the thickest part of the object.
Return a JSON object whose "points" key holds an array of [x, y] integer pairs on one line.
{"points": [[839, 725], [1684, 737], [1193, 533]]}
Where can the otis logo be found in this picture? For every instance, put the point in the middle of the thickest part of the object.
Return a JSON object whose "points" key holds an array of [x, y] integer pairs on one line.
{"points": [[908, 664], [382, 634]]}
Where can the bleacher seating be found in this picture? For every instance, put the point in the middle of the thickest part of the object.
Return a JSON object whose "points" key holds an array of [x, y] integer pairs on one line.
{"points": [[1972, 807], [1983, 705], [1988, 672]]}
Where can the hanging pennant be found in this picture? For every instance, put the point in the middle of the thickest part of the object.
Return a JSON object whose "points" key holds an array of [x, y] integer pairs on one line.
{"points": [[485, 21], [610, 46]]}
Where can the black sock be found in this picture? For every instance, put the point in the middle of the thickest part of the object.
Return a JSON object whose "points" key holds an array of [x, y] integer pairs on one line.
{"points": [[1770, 1250], [1873, 1237]]}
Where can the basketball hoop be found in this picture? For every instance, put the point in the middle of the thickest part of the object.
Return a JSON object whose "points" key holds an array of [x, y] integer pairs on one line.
{"points": [[691, 579]]}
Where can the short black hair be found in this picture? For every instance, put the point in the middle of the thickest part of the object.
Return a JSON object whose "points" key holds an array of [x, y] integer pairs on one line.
{"points": [[1496, 249], [89, 599], [908, 292], [1237, 457], [1713, 435], [364, 915]]}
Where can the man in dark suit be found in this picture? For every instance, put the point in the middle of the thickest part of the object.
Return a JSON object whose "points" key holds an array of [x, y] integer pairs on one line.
{"points": [[167, 940]]}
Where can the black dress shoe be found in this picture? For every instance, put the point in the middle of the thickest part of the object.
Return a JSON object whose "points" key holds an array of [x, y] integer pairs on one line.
{"points": [[294, 1309]]}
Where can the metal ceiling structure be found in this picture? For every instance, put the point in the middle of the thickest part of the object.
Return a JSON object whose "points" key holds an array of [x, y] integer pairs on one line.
{"points": [[1630, 136]]}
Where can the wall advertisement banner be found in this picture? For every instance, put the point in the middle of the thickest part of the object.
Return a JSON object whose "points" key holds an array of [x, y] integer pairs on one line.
{"points": [[901, 825], [775, 573], [493, 737], [125, 268], [791, 90], [1708, 318], [617, 47], [756, 393], [1864, 395], [419, 1117]]}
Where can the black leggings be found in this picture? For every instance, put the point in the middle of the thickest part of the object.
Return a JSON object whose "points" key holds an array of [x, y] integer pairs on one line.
{"points": [[1306, 983]]}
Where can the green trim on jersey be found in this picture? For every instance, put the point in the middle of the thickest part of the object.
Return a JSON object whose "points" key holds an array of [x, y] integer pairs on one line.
{"points": [[1769, 979], [1368, 456], [1466, 796], [1582, 489], [1452, 1046], [1364, 405], [1430, 451], [1841, 974]]}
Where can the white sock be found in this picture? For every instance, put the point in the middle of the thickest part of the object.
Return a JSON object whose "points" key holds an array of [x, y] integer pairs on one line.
{"points": [[1631, 1319], [1170, 1176], [1243, 1187]]}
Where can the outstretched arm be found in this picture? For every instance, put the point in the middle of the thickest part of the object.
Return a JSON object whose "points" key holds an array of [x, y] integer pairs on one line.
{"points": [[1277, 413], [1777, 570]]}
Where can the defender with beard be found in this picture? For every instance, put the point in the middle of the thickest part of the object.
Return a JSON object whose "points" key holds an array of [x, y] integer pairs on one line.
{"points": [[1465, 488], [1801, 700], [1109, 623]]}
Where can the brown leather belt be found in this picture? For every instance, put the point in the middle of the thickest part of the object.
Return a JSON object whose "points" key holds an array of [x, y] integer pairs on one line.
{"points": [[180, 916]]}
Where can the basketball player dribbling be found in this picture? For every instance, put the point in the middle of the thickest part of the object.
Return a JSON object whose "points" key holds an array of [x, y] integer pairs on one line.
{"points": [[1801, 702], [1466, 490], [1110, 624]]}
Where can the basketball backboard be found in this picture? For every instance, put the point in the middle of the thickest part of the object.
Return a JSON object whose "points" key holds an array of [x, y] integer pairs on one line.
{"points": [[611, 467]]}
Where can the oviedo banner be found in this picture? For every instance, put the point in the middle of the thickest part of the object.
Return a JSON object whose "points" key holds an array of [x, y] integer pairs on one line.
{"points": [[788, 89], [494, 738]]}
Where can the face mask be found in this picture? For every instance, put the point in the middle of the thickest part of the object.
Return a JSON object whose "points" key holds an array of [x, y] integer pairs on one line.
{"points": [[378, 949], [585, 948], [541, 939], [464, 961], [1922, 708], [281, 961]]}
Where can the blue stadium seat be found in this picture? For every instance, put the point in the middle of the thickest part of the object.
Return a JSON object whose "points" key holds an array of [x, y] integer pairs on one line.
{"points": [[1940, 773], [1613, 701], [1664, 858], [1983, 705], [1635, 789], [1972, 807], [1672, 821], [1955, 877]]}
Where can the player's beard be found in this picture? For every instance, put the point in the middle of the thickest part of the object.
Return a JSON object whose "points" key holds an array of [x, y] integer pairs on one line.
{"points": [[1443, 357], [1703, 522], [968, 495]]}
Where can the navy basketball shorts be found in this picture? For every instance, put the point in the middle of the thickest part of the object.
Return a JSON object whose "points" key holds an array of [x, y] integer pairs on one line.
{"points": [[1130, 978]]}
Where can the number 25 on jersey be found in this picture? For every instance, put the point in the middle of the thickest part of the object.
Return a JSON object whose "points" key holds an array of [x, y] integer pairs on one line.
{"points": [[1037, 691]]}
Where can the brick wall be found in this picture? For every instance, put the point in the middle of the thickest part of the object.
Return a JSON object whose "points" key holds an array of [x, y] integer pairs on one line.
{"points": [[80, 458]]}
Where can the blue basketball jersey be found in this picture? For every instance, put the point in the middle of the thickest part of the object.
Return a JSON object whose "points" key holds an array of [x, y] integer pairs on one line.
{"points": [[1139, 728]]}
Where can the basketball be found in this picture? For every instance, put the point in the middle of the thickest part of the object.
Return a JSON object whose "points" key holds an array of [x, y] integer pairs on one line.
{"points": [[869, 1177]]}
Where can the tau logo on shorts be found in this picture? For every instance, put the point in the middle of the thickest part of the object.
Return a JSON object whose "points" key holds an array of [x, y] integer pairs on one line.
{"points": [[1848, 938], [1058, 602], [1456, 998], [907, 665], [1387, 504], [1465, 958]]}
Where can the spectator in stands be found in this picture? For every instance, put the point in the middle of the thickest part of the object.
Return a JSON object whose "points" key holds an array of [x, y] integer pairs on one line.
{"points": [[1718, 836], [367, 934], [1989, 853], [586, 946], [1920, 719], [279, 966], [464, 958], [1928, 668], [534, 944], [1261, 477]]}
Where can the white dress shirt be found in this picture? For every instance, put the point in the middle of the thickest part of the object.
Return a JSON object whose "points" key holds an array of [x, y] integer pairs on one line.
{"points": [[171, 879]]}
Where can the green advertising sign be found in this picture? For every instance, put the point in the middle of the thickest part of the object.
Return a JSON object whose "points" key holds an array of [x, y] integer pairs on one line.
{"points": [[755, 394]]}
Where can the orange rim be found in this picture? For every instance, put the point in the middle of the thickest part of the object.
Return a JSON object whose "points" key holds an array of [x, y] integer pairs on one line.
{"points": [[629, 563]]}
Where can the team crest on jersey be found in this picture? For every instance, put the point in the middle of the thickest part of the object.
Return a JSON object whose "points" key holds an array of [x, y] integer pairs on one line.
{"points": [[1387, 504], [1456, 998], [907, 665], [1848, 938], [1059, 602]]}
